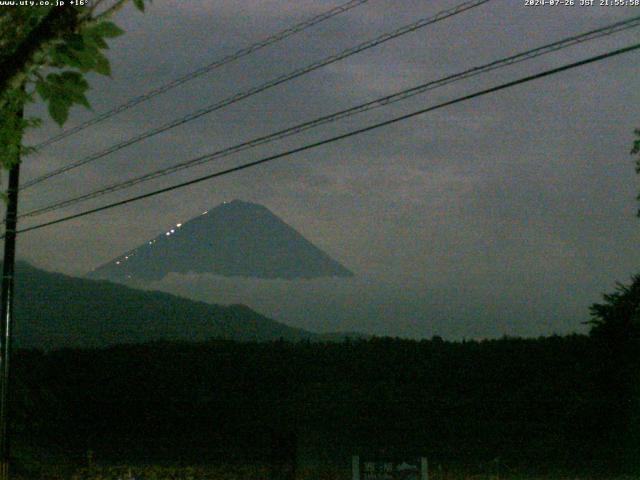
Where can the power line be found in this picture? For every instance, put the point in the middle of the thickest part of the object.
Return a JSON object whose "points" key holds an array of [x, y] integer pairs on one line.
{"points": [[265, 86], [375, 126], [206, 69], [380, 102]]}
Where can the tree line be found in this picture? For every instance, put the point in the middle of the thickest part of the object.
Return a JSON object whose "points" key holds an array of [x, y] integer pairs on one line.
{"points": [[551, 403]]}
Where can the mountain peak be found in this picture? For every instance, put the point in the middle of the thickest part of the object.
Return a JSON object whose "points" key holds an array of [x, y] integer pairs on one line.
{"points": [[239, 203], [235, 238]]}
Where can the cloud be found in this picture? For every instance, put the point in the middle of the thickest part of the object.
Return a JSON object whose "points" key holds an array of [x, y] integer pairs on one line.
{"points": [[509, 213]]}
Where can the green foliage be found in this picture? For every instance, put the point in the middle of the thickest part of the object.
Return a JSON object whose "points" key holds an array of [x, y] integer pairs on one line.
{"points": [[56, 67], [533, 403], [615, 326], [618, 318], [139, 4], [636, 148], [12, 122], [61, 91], [81, 52]]}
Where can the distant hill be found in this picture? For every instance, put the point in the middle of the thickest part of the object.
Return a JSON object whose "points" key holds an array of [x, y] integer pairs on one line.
{"points": [[234, 239], [55, 310]]}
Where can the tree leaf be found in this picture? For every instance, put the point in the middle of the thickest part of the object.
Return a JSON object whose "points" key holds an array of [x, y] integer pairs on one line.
{"points": [[60, 56], [139, 4], [107, 30], [103, 67], [74, 82], [82, 100], [43, 90], [92, 38], [59, 110], [75, 41], [87, 58], [62, 91], [636, 143]]}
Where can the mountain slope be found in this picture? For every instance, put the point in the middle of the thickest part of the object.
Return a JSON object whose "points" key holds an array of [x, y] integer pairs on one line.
{"points": [[55, 310], [234, 239]]}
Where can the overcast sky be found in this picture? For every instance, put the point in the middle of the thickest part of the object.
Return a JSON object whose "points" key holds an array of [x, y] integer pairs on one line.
{"points": [[506, 214]]}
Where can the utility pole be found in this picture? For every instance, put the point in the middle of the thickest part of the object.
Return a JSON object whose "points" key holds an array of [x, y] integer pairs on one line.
{"points": [[11, 222]]}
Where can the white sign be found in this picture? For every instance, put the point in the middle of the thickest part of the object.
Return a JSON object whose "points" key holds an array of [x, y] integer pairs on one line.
{"points": [[390, 469]]}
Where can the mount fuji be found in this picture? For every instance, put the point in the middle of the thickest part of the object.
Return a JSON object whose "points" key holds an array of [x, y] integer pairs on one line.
{"points": [[233, 239]]}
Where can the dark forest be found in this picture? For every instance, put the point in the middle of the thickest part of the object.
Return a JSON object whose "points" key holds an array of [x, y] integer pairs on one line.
{"points": [[547, 404]]}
